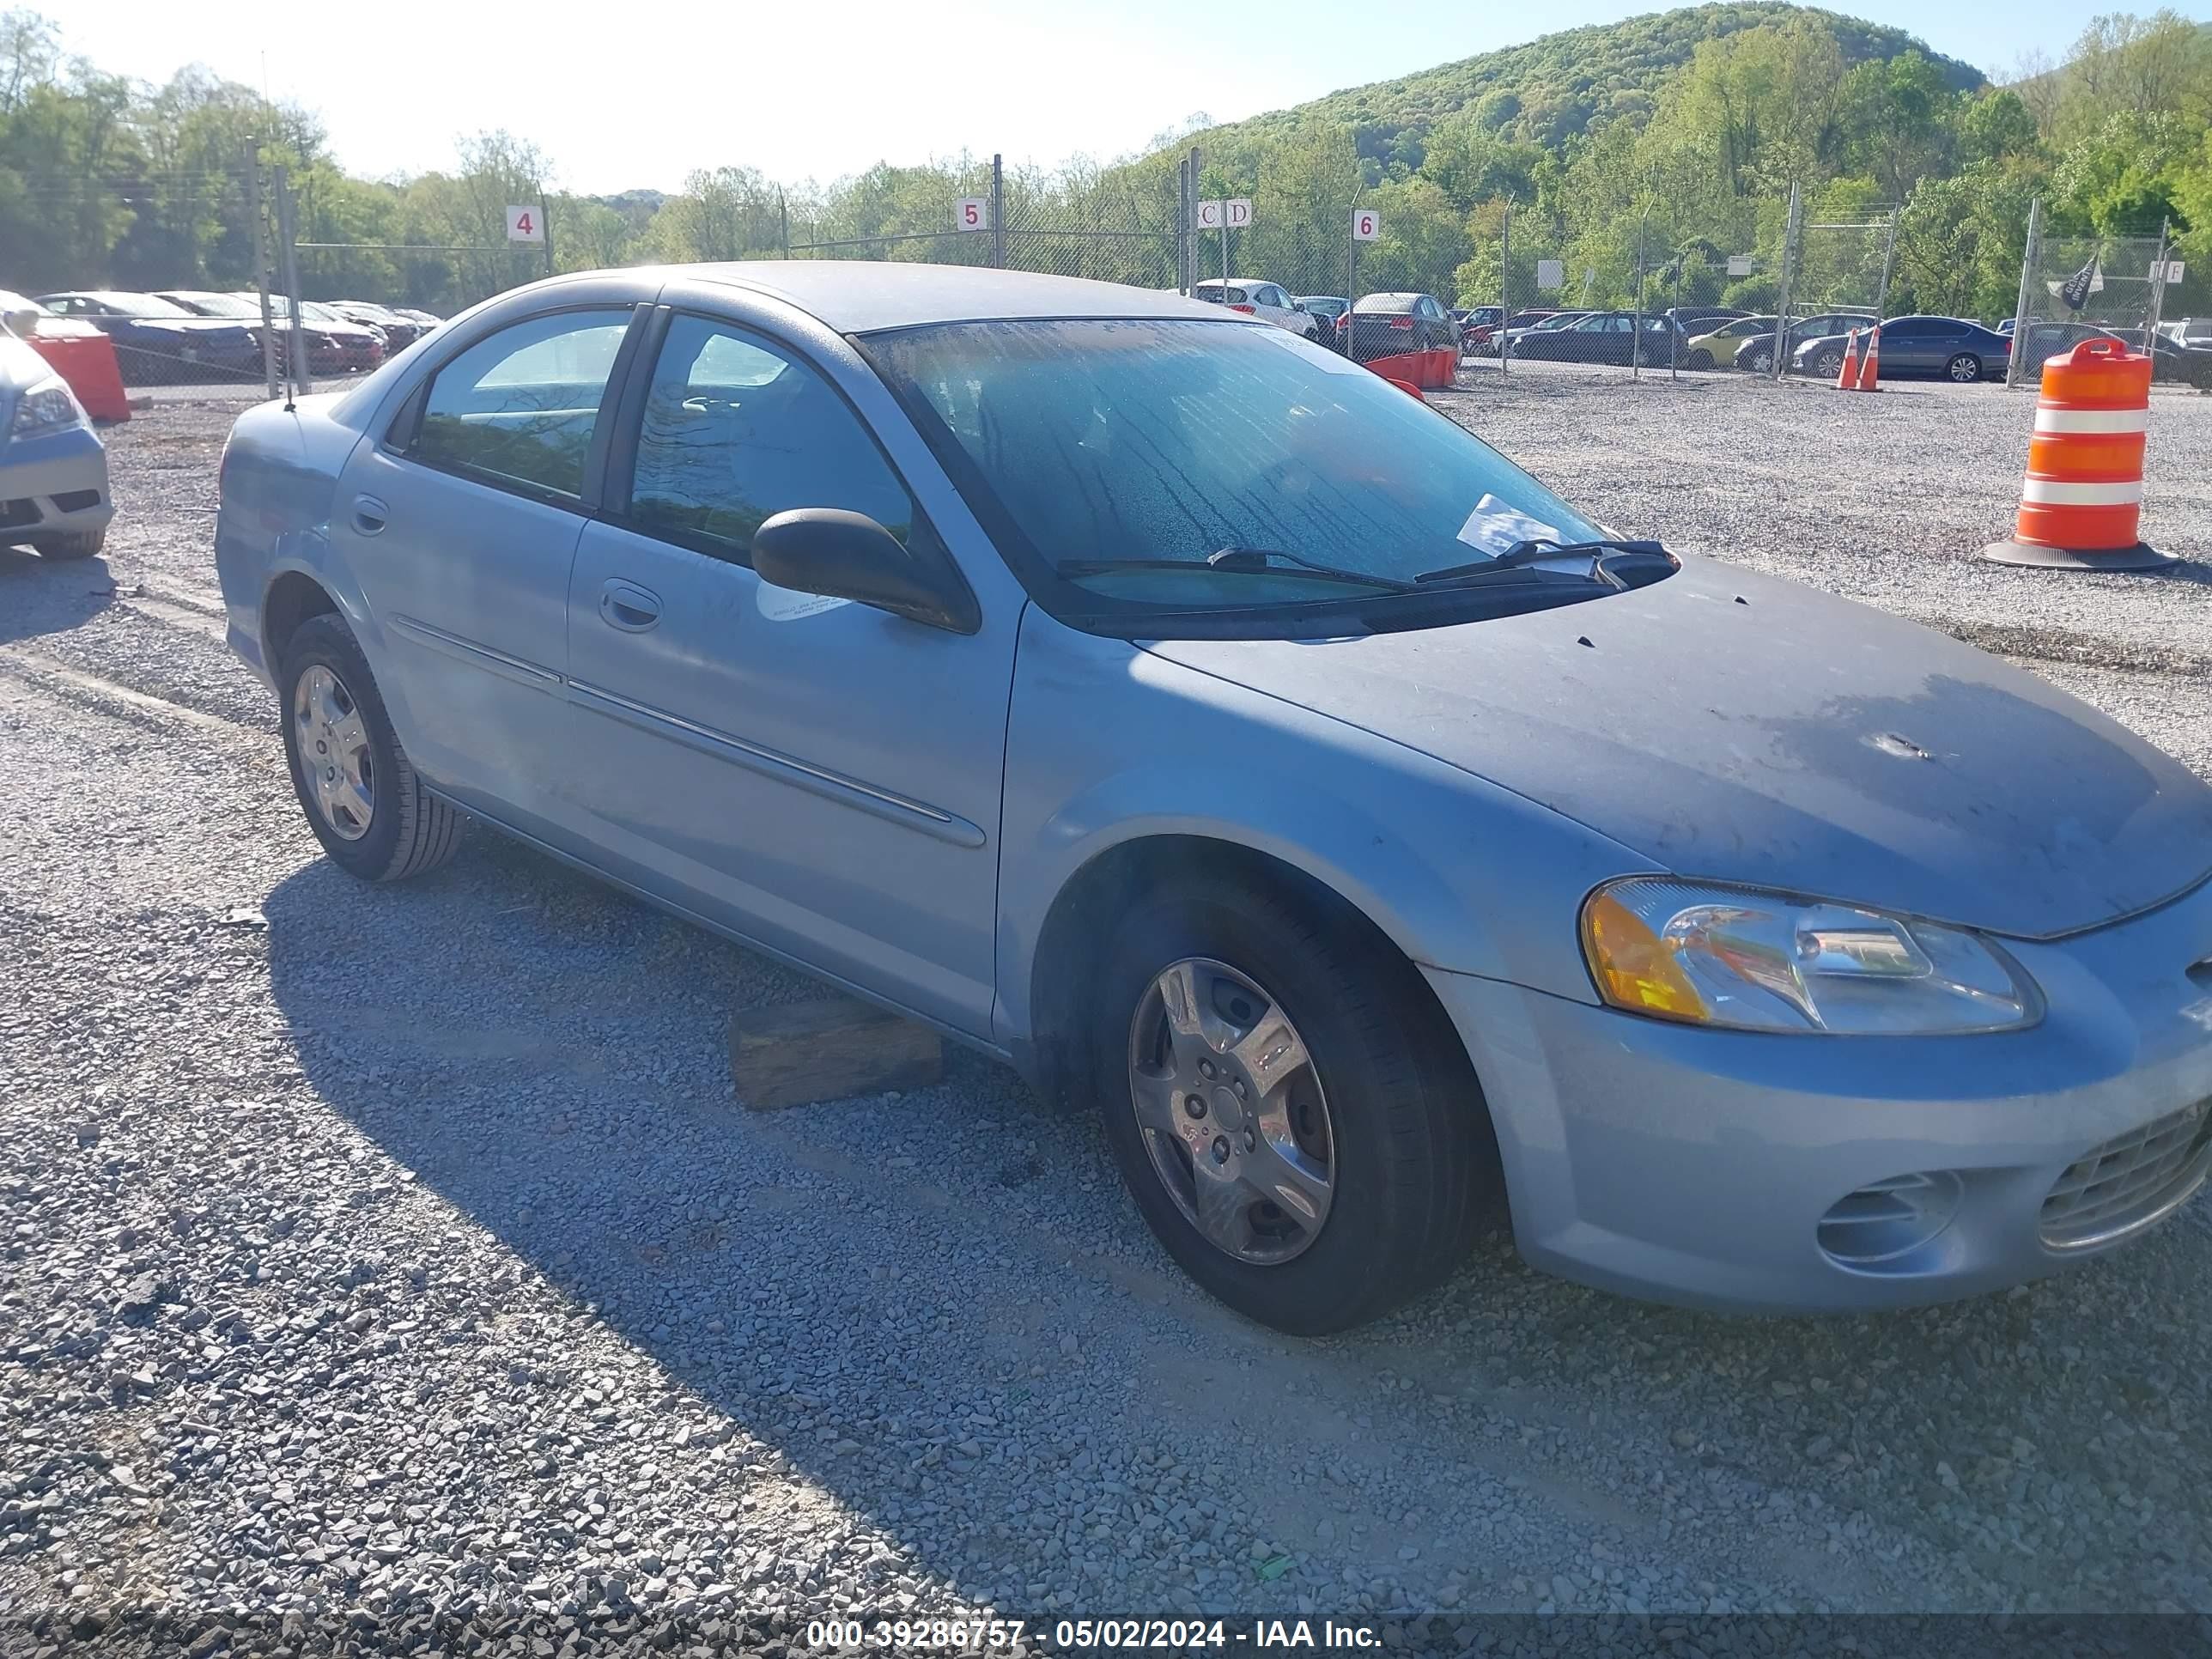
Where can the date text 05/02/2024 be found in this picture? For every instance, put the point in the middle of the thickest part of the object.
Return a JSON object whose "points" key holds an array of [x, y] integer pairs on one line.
{"points": [[1152, 1635]]}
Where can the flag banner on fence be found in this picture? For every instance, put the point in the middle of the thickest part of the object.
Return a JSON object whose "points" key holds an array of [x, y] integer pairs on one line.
{"points": [[2074, 292]]}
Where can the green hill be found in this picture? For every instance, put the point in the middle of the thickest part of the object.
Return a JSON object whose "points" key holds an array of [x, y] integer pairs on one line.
{"points": [[1554, 87]]}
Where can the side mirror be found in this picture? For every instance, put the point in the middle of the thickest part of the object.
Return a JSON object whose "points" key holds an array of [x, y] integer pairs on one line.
{"points": [[849, 556]]}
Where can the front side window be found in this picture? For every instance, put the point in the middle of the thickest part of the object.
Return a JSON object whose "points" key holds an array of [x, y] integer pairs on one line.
{"points": [[1133, 469], [736, 430], [519, 407]]}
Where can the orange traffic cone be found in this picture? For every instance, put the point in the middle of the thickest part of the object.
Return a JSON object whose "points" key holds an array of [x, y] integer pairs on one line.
{"points": [[1869, 371], [2081, 502], [1849, 380]]}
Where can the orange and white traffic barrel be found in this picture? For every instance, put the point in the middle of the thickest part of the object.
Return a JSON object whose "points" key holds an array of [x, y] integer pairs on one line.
{"points": [[2081, 504]]}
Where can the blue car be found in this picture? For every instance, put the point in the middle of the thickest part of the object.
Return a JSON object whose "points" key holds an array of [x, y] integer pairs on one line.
{"points": [[158, 339], [1248, 753], [1944, 348]]}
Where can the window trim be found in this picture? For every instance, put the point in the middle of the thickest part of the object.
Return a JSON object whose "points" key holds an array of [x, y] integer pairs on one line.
{"points": [[621, 478], [404, 428]]}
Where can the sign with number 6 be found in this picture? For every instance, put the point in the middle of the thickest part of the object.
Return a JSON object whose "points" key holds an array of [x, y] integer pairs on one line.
{"points": [[1366, 225], [972, 213], [525, 224]]}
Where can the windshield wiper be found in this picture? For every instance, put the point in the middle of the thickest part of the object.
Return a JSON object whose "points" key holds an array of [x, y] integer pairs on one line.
{"points": [[1243, 561], [1534, 551]]}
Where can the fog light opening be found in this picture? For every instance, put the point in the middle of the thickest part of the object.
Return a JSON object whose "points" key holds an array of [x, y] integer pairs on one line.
{"points": [[1877, 1227]]}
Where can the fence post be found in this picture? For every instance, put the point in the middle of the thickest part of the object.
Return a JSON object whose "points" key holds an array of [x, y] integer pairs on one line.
{"points": [[1888, 263], [1504, 289], [997, 212], [2030, 256], [261, 266], [288, 235], [783, 222], [2157, 287], [1792, 228], [545, 224]]}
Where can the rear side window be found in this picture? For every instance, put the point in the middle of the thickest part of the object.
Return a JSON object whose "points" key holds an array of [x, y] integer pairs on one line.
{"points": [[736, 430], [519, 407]]}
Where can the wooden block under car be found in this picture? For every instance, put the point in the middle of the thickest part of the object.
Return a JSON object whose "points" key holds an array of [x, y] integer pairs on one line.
{"points": [[796, 1052]]}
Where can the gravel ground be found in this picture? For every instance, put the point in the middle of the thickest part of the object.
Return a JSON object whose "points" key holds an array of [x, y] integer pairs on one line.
{"points": [[398, 1254]]}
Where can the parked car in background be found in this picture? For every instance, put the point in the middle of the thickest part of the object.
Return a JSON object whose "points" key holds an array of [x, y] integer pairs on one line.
{"points": [[323, 352], [1532, 318], [53, 467], [1694, 320], [1477, 324], [1509, 336], [2172, 362], [1619, 338], [1268, 798], [1950, 348], [417, 315], [1715, 345], [1269, 302], [358, 346], [1383, 325], [399, 332], [1756, 352], [157, 340], [1328, 312]]}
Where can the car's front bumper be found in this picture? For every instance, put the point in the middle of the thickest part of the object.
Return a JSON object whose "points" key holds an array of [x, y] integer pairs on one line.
{"points": [[53, 485], [1697, 1166]]}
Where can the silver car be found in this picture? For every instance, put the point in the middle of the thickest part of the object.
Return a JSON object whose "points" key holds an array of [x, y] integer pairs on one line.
{"points": [[1252, 756], [53, 468]]}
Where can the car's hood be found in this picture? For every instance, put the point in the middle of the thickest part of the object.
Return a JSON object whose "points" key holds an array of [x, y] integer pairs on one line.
{"points": [[1745, 729]]}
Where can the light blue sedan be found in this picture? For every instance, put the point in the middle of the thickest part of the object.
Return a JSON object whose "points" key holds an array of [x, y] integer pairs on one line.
{"points": [[1252, 756]]}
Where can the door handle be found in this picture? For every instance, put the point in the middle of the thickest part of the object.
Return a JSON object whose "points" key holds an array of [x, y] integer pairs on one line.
{"points": [[629, 607], [369, 514]]}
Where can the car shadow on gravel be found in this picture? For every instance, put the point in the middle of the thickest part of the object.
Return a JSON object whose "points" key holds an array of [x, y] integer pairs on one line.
{"points": [[50, 596], [899, 1295]]}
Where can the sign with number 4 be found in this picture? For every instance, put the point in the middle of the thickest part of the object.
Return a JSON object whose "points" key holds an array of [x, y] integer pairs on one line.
{"points": [[525, 224], [972, 213], [1366, 225]]}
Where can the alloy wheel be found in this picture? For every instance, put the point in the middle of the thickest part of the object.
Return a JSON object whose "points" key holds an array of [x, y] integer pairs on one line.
{"points": [[1965, 368], [335, 758], [1231, 1111]]}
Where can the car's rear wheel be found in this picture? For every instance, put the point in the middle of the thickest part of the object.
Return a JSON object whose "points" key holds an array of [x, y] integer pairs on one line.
{"points": [[361, 796], [1965, 368], [1295, 1121], [81, 545]]}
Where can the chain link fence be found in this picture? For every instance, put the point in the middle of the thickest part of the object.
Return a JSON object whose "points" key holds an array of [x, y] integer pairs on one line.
{"points": [[2075, 288]]}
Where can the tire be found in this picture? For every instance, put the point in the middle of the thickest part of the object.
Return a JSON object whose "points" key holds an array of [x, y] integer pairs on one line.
{"points": [[1828, 365], [81, 545], [1698, 360], [1964, 369], [1405, 1137], [408, 829], [1760, 362]]}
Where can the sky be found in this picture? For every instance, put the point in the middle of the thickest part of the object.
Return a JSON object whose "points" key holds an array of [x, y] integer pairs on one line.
{"points": [[618, 97]]}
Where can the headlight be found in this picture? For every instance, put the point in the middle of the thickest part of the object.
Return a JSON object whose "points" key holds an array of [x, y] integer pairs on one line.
{"points": [[49, 406], [1763, 961]]}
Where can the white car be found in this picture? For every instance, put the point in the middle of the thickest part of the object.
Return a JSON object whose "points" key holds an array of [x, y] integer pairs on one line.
{"points": [[1270, 301], [53, 468]]}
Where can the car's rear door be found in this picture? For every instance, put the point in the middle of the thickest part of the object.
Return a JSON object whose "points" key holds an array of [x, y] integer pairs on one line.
{"points": [[459, 521], [816, 774]]}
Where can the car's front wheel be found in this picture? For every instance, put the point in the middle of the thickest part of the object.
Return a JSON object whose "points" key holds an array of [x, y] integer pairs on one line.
{"points": [[1698, 360], [361, 796], [1760, 362], [1828, 365], [81, 545], [1965, 368], [1295, 1120]]}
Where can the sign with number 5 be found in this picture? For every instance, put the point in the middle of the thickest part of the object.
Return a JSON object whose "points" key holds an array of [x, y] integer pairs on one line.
{"points": [[1366, 225], [972, 213]]}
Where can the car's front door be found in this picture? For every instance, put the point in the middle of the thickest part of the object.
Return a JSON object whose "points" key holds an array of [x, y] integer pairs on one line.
{"points": [[815, 775], [461, 523]]}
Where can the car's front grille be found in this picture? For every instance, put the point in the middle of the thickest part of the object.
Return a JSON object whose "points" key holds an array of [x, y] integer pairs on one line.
{"points": [[2131, 1181]]}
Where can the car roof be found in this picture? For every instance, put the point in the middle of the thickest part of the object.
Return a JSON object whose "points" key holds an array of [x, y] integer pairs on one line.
{"points": [[1402, 300], [864, 296]]}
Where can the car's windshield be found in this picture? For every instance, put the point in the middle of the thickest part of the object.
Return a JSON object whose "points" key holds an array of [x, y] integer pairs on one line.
{"points": [[1126, 452], [141, 304], [221, 305]]}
